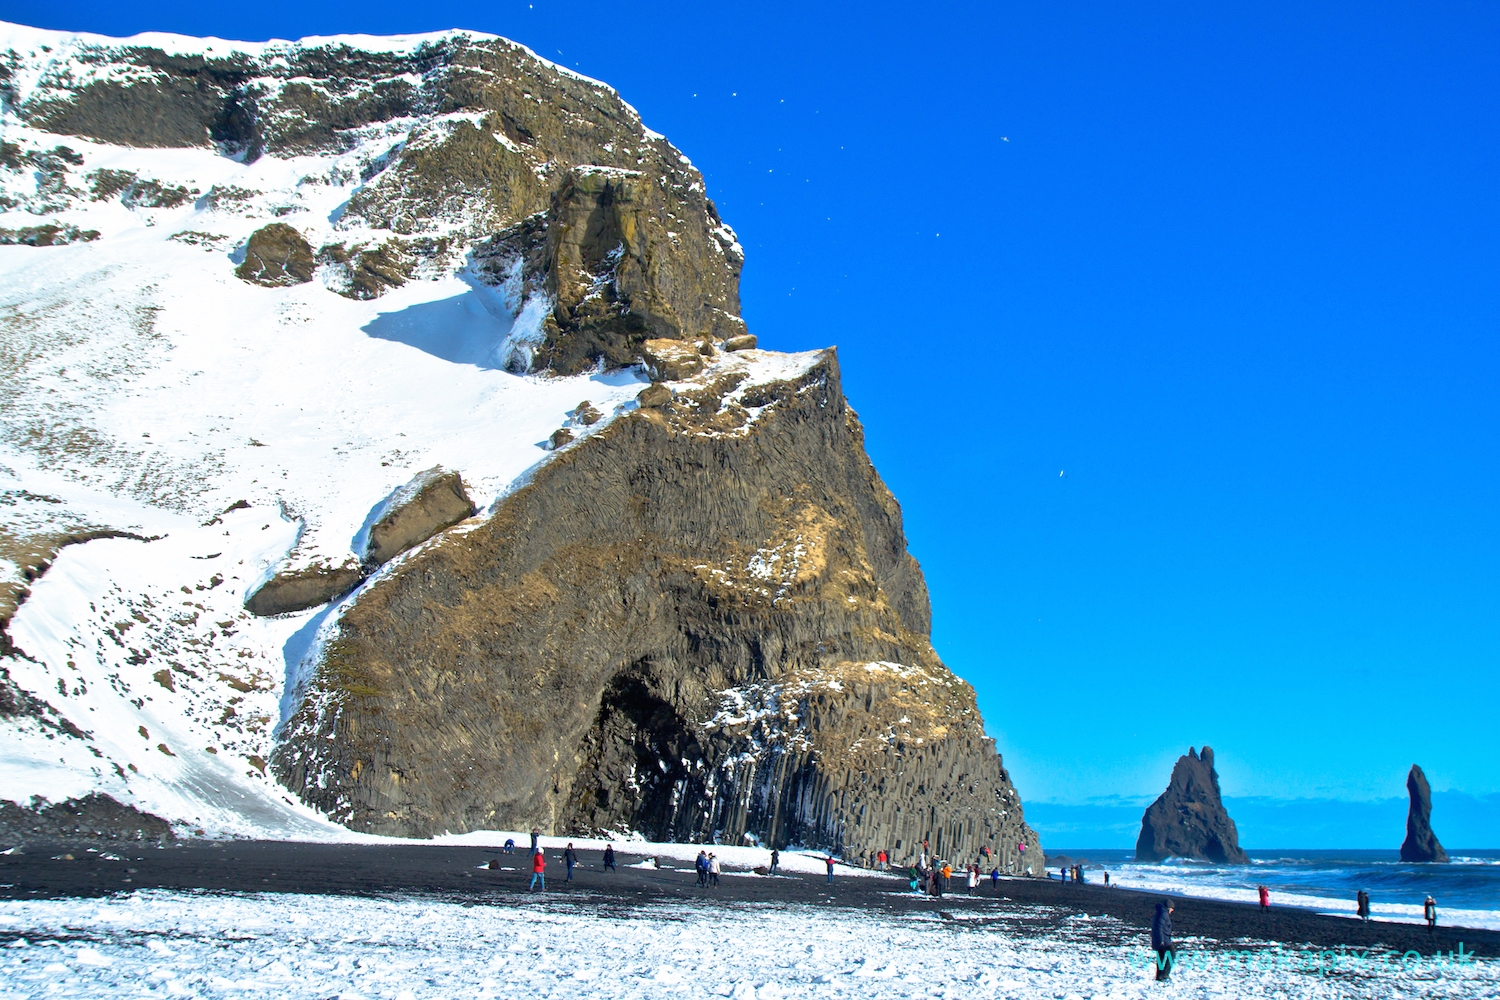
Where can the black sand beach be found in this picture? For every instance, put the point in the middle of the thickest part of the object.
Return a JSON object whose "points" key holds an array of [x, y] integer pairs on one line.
{"points": [[458, 874]]}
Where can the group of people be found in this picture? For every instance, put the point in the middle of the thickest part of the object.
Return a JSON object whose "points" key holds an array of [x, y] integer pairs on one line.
{"points": [[570, 859], [1361, 905], [1076, 873], [933, 876], [709, 869]]}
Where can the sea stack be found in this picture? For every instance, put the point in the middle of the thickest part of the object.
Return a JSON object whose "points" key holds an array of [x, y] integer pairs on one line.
{"points": [[1188, 819], [1421, 843]]}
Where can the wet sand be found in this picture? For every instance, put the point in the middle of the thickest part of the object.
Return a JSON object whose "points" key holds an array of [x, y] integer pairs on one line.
{"points": [[1021, 906]]}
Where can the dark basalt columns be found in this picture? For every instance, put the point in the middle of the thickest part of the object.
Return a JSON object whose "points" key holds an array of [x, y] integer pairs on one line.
{"points": [[675, 629]]}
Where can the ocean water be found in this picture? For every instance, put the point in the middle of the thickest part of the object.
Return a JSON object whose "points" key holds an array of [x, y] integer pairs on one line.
{"points": [[1467, 889]]}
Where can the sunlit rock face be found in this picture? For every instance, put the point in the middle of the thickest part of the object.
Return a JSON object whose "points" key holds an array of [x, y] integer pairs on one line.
{"points": [[385, 448]]}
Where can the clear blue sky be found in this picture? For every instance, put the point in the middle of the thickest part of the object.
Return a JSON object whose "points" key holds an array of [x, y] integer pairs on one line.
{"points": [[1235, 271]]}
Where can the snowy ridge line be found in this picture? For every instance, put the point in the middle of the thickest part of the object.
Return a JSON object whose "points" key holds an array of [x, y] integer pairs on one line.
{"points": [[19, 37]]}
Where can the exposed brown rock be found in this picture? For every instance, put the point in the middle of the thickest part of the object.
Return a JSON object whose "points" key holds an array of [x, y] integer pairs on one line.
{"points": [[560, 437], [745, 342], [653, 395], [671, 360], [276, 255], [433, 500], [668, 629], [366, 272], [303, 588], [615, 276], [1188, 820], [47, 235]]}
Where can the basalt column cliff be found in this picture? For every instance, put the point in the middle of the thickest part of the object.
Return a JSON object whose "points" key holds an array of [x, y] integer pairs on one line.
{"points": [[541, 537]]}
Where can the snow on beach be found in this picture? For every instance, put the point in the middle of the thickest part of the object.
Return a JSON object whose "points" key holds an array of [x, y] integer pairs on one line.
{"points": [[157, 943]]}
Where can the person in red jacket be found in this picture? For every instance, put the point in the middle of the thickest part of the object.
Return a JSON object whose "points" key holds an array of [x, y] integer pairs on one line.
{"points": [[1265, 898], [538, 871]]}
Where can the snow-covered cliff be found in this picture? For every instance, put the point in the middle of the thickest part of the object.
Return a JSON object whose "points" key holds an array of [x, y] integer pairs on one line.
{"points": [[288, 329]]}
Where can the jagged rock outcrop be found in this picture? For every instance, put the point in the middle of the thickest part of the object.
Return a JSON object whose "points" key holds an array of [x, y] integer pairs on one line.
{"points": [[304, 587], [276, 255], [1421, 844], [92, 817], [633, 248], [690, 624], [433, 500], [613, 275], [1188, 820]]}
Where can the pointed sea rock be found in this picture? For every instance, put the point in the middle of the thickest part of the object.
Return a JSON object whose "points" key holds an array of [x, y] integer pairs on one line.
{"points": [[1421, 843], [1188, 819]]}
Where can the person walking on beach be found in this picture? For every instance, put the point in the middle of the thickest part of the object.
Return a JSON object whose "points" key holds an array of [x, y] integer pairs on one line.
{"points": [[973, 878], [995, 879], [1265, 899], [1429, 913], [536, 836], [609, 857], [829, 862], [775, 859], [915, 874], [1161, 940], [538, 871], [1106, 880], [714, 870], [883, 860], [570, 858], [1362, 905], [701, 866]]}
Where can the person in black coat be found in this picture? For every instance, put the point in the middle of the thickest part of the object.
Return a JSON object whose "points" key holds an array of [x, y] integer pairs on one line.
{"points": [[570, 858], [609, 857], [1161, 940]]}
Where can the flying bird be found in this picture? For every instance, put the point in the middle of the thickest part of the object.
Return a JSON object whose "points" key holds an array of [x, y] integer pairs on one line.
{"points": [[1063, 474]]}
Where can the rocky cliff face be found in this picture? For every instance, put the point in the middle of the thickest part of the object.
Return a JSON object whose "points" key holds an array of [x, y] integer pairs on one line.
{"points": [[457, 136], [1188, 820], [700, 623], [460, 454], [1421, 844]]}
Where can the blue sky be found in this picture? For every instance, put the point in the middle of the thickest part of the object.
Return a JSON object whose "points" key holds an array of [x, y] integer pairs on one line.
{"points": [[1232, 267]]}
